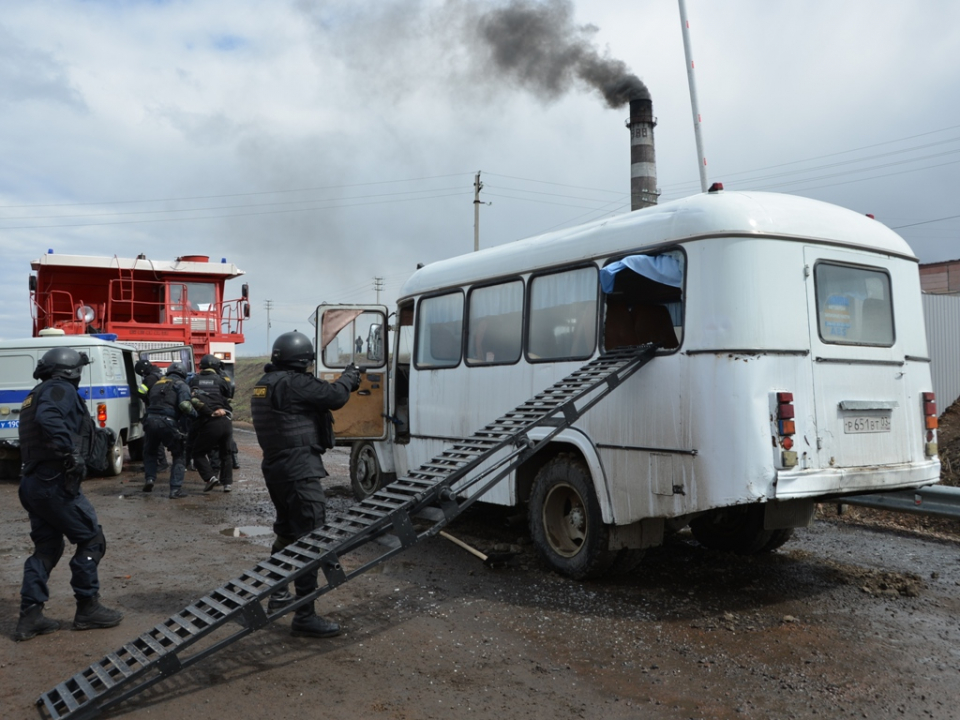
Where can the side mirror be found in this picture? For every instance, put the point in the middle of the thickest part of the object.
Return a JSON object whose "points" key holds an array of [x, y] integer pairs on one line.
{"points": [[33, 283], [246, 310], [245, 291]]}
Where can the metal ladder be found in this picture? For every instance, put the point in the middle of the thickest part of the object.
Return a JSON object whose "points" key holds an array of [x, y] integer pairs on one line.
{"points": [[410, 509]]}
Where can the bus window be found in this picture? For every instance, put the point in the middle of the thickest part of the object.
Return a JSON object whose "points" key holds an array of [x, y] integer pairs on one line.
{"points": [[643, 301], [439, 331], [853, 305], [563, 315], [495, 324]]}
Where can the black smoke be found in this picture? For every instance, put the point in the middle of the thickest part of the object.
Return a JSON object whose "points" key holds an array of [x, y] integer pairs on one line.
{"points": [[540, 48]]}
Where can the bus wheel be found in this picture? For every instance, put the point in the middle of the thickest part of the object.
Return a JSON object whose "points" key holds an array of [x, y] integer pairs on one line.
{"points": [[135, 448], [777, 539], [565, 520], [115, 458], [365, 474], [737, 529]]}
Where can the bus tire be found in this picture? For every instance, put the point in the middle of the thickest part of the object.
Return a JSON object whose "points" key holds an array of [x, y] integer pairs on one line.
{"points": [[738, 529], [565, 520], [777, 539], [366, 477], [135, 448]]}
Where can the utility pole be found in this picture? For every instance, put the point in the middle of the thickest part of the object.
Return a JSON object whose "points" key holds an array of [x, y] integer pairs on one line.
{"points": [[477, 187], [268, 304], [378, 286]]}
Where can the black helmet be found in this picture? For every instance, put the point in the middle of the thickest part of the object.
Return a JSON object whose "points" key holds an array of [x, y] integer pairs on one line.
{"points": [[292, 350], [61, 362], [210, 361], [142, 367], [177, 369]]}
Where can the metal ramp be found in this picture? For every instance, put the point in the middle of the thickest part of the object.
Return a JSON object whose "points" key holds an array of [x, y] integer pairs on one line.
{"points": [[412, 508]]}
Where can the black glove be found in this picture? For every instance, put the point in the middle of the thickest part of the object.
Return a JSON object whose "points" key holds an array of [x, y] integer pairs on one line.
{"points": [[74, 471], [351, 378]]}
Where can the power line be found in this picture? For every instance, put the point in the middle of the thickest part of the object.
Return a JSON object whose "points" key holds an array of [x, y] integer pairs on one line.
{"points": [[231, 215], [247, 194]]}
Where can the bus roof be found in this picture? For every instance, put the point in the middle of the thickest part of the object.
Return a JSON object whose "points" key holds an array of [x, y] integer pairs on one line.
{"points": [[190, 264], [705, 215]]}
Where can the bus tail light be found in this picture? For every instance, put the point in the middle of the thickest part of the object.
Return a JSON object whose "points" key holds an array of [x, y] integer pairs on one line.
{"points": [[786, 428], [930, 423], [102, 414]]}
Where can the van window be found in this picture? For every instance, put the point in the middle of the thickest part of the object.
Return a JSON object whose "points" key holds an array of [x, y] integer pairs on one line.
{"points": [[439, 331], [563, 315], [495, 324], [853, 305], [16, 371]]}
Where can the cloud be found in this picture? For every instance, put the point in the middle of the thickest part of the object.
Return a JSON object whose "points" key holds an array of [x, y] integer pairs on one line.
{"points": [[31, 75]]}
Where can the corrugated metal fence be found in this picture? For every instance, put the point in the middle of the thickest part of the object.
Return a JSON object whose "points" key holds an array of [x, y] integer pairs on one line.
{"points": [[942, 317]]}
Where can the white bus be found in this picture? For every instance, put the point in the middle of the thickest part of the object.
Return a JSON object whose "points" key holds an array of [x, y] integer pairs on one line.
{"points": [[792, 369]]}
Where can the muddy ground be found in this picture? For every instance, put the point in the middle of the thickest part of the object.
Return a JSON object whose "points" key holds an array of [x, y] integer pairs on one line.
{"points": [[844, 621]]}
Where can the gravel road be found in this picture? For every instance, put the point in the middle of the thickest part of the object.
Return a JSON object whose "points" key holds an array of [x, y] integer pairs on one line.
{"points": [[843, 621]]}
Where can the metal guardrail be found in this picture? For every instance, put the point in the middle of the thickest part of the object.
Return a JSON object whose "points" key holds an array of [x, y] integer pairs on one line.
{"points": [[939, 500]]}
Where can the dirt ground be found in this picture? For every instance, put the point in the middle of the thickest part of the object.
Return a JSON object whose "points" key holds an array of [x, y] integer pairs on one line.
{"points": [[846, 620]]}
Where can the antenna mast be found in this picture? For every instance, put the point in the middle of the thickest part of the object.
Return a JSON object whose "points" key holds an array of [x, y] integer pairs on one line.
{"points": [[691, 80]]}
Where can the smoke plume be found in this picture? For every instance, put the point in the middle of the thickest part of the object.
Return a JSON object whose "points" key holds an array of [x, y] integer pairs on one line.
{"points": [[539, 47]]}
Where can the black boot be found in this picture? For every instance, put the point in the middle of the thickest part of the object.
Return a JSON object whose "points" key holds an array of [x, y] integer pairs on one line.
{"points": [[306, 623], [91, 614], [33, 623]]}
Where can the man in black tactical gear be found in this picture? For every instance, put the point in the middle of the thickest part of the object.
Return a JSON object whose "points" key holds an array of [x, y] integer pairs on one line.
{"points": [[150, 374], [291, 415], [211, 396], [167, 402], [54, 428]]}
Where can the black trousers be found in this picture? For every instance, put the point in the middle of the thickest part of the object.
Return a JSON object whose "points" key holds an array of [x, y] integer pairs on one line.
{"points": [[54, 514], [214, 433]]}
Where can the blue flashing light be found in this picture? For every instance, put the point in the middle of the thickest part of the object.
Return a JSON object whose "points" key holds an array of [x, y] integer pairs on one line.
{"points": [[49, 251], [111, 337], [223, 260]]}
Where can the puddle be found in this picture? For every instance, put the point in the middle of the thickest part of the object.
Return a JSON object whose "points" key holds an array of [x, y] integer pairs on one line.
{"points": [[247, 531]]}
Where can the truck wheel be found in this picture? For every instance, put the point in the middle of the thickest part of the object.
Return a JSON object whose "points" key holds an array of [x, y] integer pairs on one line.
{"points": [[135, 448], [365, 474], [115, 459], [565, 521], [737, 529]]}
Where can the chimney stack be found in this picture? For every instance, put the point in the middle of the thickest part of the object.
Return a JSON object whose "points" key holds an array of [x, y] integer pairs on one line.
{"points": [[643, 162]]}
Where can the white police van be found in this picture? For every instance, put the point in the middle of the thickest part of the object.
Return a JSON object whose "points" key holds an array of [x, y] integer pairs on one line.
{"points": [[108, 385]]}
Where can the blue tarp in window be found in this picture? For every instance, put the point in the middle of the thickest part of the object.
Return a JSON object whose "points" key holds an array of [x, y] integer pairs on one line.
{"points": [[660, 268]]}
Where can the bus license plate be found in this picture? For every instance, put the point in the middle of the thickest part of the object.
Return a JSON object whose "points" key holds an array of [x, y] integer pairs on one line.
{"points": [[866, 424]]}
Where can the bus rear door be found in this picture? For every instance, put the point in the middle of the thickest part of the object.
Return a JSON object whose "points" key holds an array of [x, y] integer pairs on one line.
{"points": [[355, 334], [866, 407]]}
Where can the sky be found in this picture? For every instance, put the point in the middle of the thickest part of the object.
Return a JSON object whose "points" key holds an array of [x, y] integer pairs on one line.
{"points": [[322, 144]]}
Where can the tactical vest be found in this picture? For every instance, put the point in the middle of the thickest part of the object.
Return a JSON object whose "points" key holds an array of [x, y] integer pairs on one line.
{"points": [[278, 430], [209, 385], [162, 398], [35, 445]]}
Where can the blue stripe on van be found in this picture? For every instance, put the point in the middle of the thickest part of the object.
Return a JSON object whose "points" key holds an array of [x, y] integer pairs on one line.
{"points": [[9, 424], [8, 397], [100, 392], [97, 392]]}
